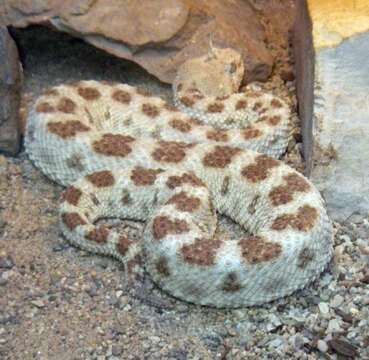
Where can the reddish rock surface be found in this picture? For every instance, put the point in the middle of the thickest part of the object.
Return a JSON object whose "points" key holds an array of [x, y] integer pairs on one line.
{"points": [[10, 87], [159, 36]]}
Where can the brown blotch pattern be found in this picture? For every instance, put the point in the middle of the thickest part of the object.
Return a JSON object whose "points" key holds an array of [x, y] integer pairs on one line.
{"points": [[143, 92], [122, 96], [170, 107], [222, 97], [123, 244], [72, 195], [283, 194], [215, 107], [143, 177], [241, 104], [99, 234], [198, 96], [217, 135], [184, 202], [201, 251], [195, 93], [220, 157], [72, 220], [170, 151], [174, 181], [113, 145], [260, 169], [251, 133], [163, 226], [162, 266], [194, 121], [102, 178], [66, 105], [187, 101], [258, 105], [179, 87], [231, 283], [180, 125], [274, 120], [89, 93], [45, 107], [150, 110], [256, 250], [276, 103], [67, 129], [303, 220]]}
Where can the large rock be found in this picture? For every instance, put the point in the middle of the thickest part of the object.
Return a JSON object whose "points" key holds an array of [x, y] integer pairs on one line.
{"points": [[332, 47], [158, 34], [10, 87]]}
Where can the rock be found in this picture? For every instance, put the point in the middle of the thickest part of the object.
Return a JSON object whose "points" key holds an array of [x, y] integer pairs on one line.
{"points": [[158, 36], [38, 303], [116, 350], [273, 322], [297, 341], [10, 87], [323, 308], [155, 22], [331, 51], [6, 262], [337, 301], [277, 342], [322, 346], [3, 281], [343, 347], [334, 326]]}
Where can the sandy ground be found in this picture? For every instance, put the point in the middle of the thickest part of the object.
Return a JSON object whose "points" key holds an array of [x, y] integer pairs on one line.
{"points": [[58, 302]]}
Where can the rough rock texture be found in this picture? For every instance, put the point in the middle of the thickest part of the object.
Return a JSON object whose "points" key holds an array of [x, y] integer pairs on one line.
{"points": [[10, 86], [159, 36], [333, 83]]}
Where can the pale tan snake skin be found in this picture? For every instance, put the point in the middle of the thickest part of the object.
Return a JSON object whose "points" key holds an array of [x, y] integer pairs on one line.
{"points": [[128, 155]]}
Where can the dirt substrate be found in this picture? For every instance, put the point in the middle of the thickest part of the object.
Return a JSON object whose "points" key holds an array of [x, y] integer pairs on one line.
{"points": [[58, 302]]}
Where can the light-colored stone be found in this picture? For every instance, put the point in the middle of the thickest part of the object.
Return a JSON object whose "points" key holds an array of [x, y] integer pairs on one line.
{"points": [[322, 346], [333, 87], [334, 326], [337, 301], [323, 308]]}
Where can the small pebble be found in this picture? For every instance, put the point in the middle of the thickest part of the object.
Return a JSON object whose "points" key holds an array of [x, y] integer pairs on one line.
{"points": [[276, 343], [322, 346], [3, 281], [116, 350], [119, 293], [336, 301], [38, 303], [6, 262], [333, 326], [323, 308]]}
